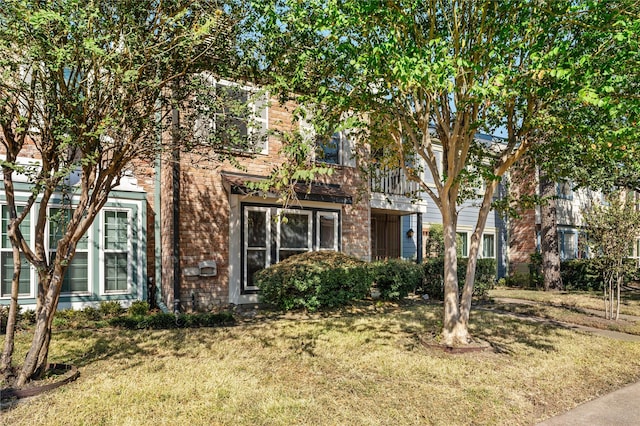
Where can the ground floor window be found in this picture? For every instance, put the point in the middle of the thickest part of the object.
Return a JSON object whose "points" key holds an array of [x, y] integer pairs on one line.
{"points": [[488, 246], [568, 244], [6, 256], [463, 244], [271, 234], [76, 277], [116, 237]]}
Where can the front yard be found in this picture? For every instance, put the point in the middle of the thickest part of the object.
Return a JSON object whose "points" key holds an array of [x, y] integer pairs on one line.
{"points": [[357, 366]]}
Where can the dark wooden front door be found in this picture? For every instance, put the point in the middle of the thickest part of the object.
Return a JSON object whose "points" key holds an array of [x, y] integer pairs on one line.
{"points": [[385, 236]]}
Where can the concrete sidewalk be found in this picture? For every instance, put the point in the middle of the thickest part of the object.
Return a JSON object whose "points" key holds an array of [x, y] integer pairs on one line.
{"points": [[621, 407]]}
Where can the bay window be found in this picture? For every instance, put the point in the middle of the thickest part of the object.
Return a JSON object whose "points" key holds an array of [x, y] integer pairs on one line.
{"points": [[271, 234]]}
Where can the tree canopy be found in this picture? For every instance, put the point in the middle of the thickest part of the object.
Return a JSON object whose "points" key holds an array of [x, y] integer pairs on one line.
{"points": [[85, 87], [413, 75]]}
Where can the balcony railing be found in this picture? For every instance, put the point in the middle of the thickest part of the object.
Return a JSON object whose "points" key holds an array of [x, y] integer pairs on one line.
{"points": [[392, 182]]}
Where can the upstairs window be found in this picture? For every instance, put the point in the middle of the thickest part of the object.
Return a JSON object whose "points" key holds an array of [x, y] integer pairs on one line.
{"points": [[233, 117], [329, 150], [565, 190]]}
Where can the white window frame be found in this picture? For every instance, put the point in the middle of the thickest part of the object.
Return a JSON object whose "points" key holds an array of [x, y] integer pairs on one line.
{"points": [[466, 242], [562, 233], [283, 213], [336, 233], [245, 242], [253, 104], [87, 292], [10, 251], [103, 252], [493, 235]]}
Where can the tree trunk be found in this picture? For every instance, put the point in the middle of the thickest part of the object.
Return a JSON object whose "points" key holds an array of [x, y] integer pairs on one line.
{"points": [[549, 235], [474, 250], [618, 286], [7, 352], [36, 360], [454, 331]]}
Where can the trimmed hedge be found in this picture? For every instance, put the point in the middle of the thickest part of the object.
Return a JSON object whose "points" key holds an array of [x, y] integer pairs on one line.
{"points": [[396, 278], [161, 321], [586, 274], [314, 280], [434, 276]]}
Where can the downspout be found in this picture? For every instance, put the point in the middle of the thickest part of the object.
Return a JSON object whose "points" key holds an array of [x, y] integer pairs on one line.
{"points": [[175, 171], [157, 222], [419, 238]]}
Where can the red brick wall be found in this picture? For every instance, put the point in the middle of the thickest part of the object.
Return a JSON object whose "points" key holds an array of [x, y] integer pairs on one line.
{"points": [[522, 230], [204, 217]]}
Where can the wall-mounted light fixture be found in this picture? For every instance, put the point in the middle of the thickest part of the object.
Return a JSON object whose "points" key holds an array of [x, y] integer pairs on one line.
{"points": [[410, 233]]}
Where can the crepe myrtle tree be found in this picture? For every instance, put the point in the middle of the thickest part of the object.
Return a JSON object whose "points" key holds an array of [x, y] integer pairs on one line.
{"points": [[84, 90], [421, 74]]}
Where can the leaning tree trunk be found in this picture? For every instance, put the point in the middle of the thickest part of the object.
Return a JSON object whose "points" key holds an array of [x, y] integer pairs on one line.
{"points": [[9, 340], [474, 250], [549, 235], [36, 360]]}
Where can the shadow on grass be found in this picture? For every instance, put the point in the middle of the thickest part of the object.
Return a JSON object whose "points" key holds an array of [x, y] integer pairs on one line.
{"points": [[398, 327]]}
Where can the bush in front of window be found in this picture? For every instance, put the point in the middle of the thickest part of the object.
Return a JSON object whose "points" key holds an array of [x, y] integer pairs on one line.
{"points": [[396, 278], [434, 273], [314, 280], [138, 307], [110, 308]]}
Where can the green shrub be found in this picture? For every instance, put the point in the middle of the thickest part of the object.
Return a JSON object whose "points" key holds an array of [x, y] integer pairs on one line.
{"points": [[314, 280], [91, 314], [28, 317], [138, 307], [127, 322], [396, 278], [581, 274], [434, 276], [518, 280], [111, 308], [162, 321]]}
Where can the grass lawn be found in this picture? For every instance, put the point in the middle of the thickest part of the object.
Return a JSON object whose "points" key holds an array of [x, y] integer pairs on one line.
{"points": [[352, 367], [630, 299]]}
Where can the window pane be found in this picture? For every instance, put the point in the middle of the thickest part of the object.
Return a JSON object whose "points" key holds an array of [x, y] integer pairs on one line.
{"points": [[283, 254], [115, 230], [326, 227], [328, 149], [295, 232], [76, 278], [256, 228], [462, 242], [488, 242], [25, 227], [115, 269], [6, 265], [58, 220], [256, 260]]}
